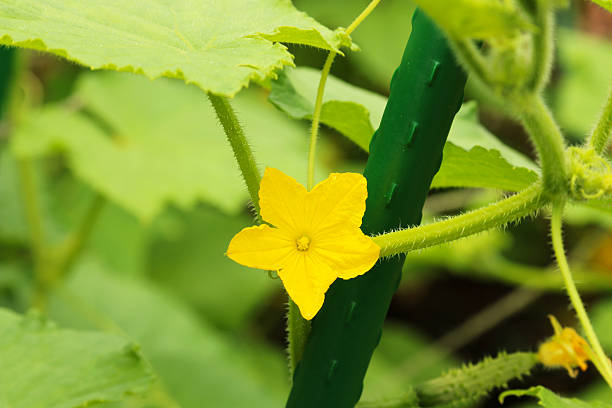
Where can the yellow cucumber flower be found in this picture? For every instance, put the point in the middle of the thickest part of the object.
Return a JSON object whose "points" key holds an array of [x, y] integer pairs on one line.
{"points": [[565, 349], [315, 236]]}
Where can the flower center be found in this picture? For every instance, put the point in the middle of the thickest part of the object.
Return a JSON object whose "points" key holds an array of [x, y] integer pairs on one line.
{"points": [[303, 243]]}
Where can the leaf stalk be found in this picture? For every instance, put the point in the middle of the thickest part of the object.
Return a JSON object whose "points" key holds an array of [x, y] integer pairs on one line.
{"points": [[601, 361], [603, 130], [495, 215], [240, 146]]}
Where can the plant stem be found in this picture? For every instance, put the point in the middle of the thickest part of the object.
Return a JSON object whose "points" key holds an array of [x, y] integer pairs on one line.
{"points": [[240, 146], [316, 118], [76, 241], [365, 13], [31, 205], [471, 58], [298, 329], [548, 140], [34, 220], [495, 215], [58, 261], [603, 130], [601, 361], [543, 46]]}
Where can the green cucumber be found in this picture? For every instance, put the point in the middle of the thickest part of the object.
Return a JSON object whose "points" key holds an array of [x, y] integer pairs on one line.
{"points": [[405, 154]]}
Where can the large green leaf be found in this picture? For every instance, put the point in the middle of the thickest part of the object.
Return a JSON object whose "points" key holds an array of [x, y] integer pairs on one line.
{"points": [[585, 80], [476, 18], [219, 46], [197, 365], [47, 367], [549, 399], [165, 144], [473, 157]]}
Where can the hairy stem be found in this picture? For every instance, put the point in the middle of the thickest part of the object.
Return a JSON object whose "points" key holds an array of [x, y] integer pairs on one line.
{"points": [[548, 140], [601, 361], [495, 215], [316, 118], [465, 386], [603, 131], [298, 329], [471, 383], [543, 46], [471, 58], [240, 146]]}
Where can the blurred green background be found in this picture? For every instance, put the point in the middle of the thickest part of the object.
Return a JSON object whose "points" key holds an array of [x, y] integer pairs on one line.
{"points": [[154, 268]]}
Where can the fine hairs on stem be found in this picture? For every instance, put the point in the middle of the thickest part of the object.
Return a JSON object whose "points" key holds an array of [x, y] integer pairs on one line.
{"points": [[495, 215], [603, 130], [316, 117], [240, 146], [543, 46], [600, 359]]}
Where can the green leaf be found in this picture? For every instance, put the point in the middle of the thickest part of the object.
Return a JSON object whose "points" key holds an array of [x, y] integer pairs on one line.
{"points": [[159, 142], [350, 110], [190, 260], [480, 167], [196, 41], [585, 80], [196, 363], [607, 4], [47, 367], [473, 157], [478, 19], [549, 399]]}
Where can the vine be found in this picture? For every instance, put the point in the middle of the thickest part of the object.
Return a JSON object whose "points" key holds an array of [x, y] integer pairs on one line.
{"points": [[495, 215]]}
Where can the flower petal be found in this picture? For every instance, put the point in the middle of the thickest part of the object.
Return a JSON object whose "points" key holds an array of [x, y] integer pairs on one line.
{"points": [[348, 252], [306, 281], [337, 200], [281, 199], [261, 247]]}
